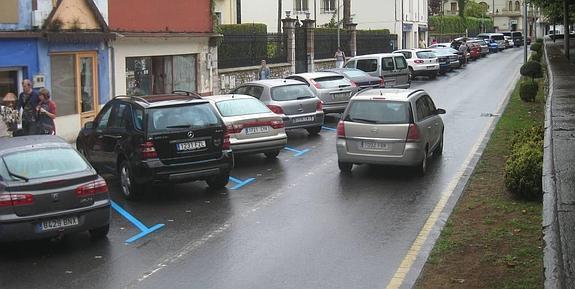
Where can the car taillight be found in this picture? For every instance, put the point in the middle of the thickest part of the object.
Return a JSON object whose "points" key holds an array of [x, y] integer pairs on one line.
{"points": [[276, 124], [319, 106], [9, 200], [148, 150], [418, 61], [382, 82], [236, 128], [413, 133], [315, 83], [92, 188], [340, 129], [276, 109]]}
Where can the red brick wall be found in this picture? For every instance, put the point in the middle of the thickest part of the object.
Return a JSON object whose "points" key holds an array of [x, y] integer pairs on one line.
{"points": [[160, 15]]}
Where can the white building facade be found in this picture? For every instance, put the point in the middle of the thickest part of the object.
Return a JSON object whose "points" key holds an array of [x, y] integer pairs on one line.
{"points": [[406, 18]]}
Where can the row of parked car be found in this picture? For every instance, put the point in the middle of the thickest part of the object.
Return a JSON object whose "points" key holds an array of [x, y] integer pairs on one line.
{"points": [[49, 188]]}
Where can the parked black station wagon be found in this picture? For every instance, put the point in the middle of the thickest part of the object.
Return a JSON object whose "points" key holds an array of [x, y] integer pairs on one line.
{"points": [[159, 138]]}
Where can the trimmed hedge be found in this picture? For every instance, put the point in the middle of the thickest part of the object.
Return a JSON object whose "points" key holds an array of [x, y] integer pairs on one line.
{"points": [[257, 28], [532, 69], [456, 24], [528, 90], [523, 169], [538, 47], [539, 40], [536, 56]]}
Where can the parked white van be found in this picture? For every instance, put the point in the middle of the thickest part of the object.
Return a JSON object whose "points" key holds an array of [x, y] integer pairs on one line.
{"points": [[391, 67], [498, 38]]}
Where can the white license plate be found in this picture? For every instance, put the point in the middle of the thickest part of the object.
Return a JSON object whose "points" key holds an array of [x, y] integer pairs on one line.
{"points": [[373, 146], [54, 224], [190, 146], [340, 95], [304, 119], [257, 129], [430, 67]]}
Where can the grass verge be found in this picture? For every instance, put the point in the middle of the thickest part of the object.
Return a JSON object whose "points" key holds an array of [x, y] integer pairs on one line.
{"points": [[492, 239]]}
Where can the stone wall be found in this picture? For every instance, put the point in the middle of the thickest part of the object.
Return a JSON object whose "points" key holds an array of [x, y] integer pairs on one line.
{"points": [[230, 78], [322, 64]]}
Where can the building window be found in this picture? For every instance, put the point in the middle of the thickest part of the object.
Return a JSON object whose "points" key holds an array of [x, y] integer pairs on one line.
{"points": [[328, 6], [453, 6], [8, 82], [74, 83], [160, 74], [517, 6], [301, 5], [9, 11], [510, 5], [218, 16]]}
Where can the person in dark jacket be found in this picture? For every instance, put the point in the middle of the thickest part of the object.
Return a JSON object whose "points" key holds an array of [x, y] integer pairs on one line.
{"points": [[27, 102]]}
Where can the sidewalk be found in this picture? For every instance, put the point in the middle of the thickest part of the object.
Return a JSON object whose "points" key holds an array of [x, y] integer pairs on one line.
{"points": [[559, 171]]}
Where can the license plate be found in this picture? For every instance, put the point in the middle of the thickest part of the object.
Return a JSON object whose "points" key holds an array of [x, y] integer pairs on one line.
{"points": [[373, 146], [190, 146], [340, 95], [430, 67], [257, 129], [54, 224], [304, 119]]}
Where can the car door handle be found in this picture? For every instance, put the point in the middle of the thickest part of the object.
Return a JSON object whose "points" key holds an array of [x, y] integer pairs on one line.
{"points": [[429, 127], [113, 136]]}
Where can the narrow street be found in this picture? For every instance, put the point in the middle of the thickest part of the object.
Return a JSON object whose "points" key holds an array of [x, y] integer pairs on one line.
{"points": [[298, 224]]}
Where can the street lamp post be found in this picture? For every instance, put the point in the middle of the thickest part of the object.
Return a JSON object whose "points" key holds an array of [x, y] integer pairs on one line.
{"points": [[338, 23], [525, 31]]}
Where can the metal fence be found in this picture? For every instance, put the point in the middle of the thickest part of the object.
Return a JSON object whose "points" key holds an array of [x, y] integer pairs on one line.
{"points": [[325, 43], [369, 42], [249, 49]]}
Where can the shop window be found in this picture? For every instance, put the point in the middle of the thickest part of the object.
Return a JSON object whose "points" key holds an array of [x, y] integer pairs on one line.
{"points": [[9, 12], [74, 81], [160, 74]]}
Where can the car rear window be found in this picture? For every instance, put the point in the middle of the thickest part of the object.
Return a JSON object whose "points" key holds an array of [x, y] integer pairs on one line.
{"points": [[194, 116], [44, 163], [425, 54], [332, 82], [291, 92], [355, 73], [517, 34], [378, 112], [241, 106]]}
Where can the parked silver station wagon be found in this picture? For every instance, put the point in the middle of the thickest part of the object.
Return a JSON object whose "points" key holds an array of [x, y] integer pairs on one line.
{"points": [[290, 98], [333, 89], [389, 127]]}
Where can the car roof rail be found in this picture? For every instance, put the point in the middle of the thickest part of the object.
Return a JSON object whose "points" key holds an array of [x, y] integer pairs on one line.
{"points": [[139, 98], [194, 95], [415, 91]]}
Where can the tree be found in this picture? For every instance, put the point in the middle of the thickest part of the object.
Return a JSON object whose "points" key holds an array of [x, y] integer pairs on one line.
{"points": [[462, 4], [434, 7], [474, 9]]}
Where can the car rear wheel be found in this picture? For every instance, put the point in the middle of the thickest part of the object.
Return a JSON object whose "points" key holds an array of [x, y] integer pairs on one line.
{"points": [[218, 182], [345, 167], [411, 74], [439, 149], [100, 232], [272, 155], [421, 168], [314, 130], [129, 188]]}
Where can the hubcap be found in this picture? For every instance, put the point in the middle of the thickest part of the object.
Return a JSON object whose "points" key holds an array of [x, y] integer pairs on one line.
{"points": [[125, 180]]}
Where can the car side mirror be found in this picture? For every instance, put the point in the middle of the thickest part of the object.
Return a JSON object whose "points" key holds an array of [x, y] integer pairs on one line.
{"points": [[89, 125], [440, 111]]}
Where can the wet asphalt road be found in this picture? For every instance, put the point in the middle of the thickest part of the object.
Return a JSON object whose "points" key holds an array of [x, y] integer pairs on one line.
{"points": [[300, 224]]}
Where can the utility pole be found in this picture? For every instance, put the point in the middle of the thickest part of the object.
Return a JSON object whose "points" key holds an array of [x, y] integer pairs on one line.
{"points": [[279, 16], [525, 31], [338, 23], [566, 28]]}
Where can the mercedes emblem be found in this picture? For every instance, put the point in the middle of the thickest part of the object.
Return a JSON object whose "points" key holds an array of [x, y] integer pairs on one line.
{"points": [[190, 134]]}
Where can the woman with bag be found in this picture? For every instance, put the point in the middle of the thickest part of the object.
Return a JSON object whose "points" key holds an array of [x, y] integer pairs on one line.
{"points": [[46, 113]]}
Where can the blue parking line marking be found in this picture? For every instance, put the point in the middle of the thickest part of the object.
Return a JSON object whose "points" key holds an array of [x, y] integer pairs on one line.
{"points": [[240, 183], [297, 152], [144, 230], [329, 128]]}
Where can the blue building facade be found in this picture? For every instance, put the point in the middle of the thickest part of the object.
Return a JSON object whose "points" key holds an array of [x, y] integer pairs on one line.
{"points": [[74, 65]]}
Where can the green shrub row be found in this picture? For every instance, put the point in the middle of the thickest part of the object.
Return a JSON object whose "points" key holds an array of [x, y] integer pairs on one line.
{"points": [[537, 47], [456, 24], [523, 169]]}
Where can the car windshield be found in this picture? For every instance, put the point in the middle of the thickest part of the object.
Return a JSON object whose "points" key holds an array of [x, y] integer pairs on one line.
{"points": [[44, 163], [291, 92], [195, 116], [517, 34], [332, 82], [241, 106], [425, 54], [355, 73], [378, 112]]}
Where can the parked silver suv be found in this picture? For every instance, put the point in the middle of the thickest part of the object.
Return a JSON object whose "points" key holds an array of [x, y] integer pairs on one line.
{"points": [[389, 127], [333, 89]]}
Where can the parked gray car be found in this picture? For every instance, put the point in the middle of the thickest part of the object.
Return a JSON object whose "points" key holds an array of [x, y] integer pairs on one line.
{"points": [[49, 189], [359, 77], [290, 98], [333, 89], [389, 127]]}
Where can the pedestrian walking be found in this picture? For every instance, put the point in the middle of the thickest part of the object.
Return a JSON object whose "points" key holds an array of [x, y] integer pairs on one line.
{"points": [[463, 50], [9, 115], [27, 103], [264, 72], [339, 58], [46, 113]]}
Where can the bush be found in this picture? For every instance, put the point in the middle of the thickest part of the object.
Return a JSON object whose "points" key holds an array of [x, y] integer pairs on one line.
{"points": [[532, 69], [537, 47], [539, 40], [456, 24], [523, 169], [528, 90], [536, 56]]}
